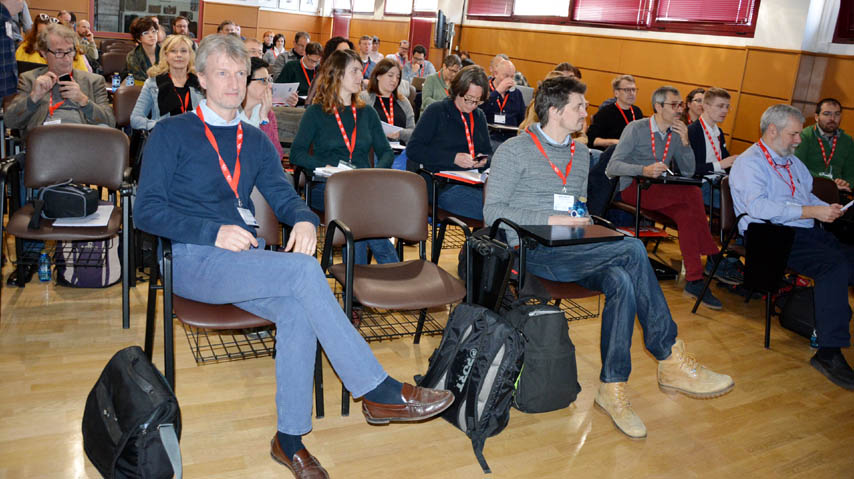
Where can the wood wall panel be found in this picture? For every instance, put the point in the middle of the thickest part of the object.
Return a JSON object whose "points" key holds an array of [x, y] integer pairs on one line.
{"points": [[686, 64], [770, 73], [750, 109], [288, 24], [837, 80], [390, 32], [246, 17], [738, 146], [52, 6]]}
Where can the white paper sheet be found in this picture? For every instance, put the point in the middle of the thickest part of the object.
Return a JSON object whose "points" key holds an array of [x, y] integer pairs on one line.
{"points": [[281, 91], [98, 219]]}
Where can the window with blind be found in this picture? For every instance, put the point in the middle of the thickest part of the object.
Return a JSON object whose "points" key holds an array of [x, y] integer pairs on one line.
{"points": [[363, 6], [715, 17], [398, 7], [844, 32]]}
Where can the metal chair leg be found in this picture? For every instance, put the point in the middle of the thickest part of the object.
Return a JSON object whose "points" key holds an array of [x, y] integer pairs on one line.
{"points": [[422, 315], [767, 320], [318, 384]]}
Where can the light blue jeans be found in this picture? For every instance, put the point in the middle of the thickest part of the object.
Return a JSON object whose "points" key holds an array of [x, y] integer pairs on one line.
{"points": [[621, 271], [290, 290]]}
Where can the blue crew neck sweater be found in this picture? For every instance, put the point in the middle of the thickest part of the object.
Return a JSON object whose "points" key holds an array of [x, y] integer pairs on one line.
{"points": [[183, 194]]}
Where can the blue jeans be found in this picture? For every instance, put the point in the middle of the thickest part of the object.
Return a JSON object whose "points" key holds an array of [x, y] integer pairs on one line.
{"points": [[290, 290], [382, 248], [462, 200], [622, 272], [819, 255], [707, 194]]}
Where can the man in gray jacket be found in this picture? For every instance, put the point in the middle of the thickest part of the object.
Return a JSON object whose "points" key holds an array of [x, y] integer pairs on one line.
{"points": [[539, 178], [659, 145]]}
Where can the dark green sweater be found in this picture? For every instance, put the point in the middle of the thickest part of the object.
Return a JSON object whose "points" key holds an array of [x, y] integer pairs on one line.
{"points": [[842, 162], [292, 73], [319, 131]]}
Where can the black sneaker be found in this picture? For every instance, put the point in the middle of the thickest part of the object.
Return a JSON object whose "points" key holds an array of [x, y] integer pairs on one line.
{"points": [[836, 369], [694, 288], [727, 272], [29, 271]]}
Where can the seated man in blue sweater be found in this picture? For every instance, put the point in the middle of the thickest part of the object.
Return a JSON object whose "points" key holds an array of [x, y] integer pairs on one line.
{"points": [[538, 178], [505, 106], [198, 171]]}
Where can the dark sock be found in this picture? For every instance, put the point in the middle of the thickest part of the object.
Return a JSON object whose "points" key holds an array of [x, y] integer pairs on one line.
{"points": [[290, 444], [388, 392], [827, 353]]}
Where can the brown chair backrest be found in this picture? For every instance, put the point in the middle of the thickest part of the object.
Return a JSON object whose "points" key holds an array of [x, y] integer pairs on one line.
{"points": [[378, 202], [727, 210], [825, 189], [105, 43], [418, 83], [412, 94], [123, 103], [268, 224], [113, 62], [87, 154]]}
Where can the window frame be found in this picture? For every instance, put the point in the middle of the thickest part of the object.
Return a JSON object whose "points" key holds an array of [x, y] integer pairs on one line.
{"points": [[654, 25], [127, 36], [842, 26]]}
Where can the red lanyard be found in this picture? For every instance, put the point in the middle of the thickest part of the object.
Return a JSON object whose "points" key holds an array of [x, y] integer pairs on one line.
{"points": [[388, 116], [367, 64], [491, 85], [421, 71], [350, 143], [232, 180], [652, 142], [185, 102], [624, 114], [557, 171], [304, 72], [501, 104], [469, 132], [824, 157], [791, 181], [52, 108], [711, 141]]}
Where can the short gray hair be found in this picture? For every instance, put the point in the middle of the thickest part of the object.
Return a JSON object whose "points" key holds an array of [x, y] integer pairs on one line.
{"points": [[230, 45], [58, 30], [779, 115], [660, 94]]}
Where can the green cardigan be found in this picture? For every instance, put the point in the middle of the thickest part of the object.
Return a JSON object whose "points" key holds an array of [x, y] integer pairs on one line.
{"points": [[842, 163], [319, 132], [433, 90]]}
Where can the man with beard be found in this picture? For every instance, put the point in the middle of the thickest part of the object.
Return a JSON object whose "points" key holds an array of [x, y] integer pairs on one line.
{"points": [[825, 149], [769, 183]]}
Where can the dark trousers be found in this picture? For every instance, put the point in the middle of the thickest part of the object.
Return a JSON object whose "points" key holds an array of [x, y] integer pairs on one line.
{"points": [[819, 255]]}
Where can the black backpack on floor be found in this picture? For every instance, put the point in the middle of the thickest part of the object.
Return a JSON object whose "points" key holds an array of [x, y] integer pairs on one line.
{"points": [[478, 360], [549, 377]]}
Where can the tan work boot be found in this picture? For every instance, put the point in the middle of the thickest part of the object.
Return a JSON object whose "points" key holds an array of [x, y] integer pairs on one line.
{"points": [[612, 399], [682, 373]]}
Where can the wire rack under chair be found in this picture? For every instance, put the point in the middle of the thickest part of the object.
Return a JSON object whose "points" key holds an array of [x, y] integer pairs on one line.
{"points": [[209, 346]]}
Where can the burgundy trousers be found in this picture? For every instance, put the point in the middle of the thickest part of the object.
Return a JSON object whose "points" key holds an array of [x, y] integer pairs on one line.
{"points": [[684, 205]]}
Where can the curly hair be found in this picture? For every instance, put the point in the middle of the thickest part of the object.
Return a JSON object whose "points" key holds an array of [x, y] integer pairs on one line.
{"points": [[172, 42], [329, 80], [383, 67], [31, 39]]}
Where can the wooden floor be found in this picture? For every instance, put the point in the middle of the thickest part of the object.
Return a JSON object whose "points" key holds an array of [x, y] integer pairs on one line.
{"points": [[783, 419]]}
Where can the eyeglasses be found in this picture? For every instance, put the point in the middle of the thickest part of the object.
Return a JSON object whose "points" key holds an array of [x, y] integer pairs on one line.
{"points": [[151, 31], [454, 70], [697, 100], [472, 101], [628, 90], [676, 105], [267, 80], [47, 18], [834, 114], [59, 55]]}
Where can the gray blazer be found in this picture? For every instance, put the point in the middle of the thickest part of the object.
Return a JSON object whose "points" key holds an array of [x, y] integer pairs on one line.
{"points": [[370, 98], [22, 113]]}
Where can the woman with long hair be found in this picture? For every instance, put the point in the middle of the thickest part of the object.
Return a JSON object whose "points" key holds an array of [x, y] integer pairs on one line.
{"points": [[258, 104], [28, 49], [337, 129], [172, 87], [392, 107]]}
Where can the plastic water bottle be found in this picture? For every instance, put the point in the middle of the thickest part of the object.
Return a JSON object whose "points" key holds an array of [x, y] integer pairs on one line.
{"points": [[117, 81], [814, 340], [129, 80], [44, 267]]}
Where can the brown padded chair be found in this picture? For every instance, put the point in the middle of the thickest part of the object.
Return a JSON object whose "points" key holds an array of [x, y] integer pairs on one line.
{"points": [[113, 62], [105, 43], [216, 317], [123, 103], [56, 153], [381, 203], [825, 189]]}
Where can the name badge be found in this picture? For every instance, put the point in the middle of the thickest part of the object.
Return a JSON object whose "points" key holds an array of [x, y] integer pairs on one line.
{"points": [[56, 121], [564, 203], [247, 216], [500, 119], [9, 30], [345, 165]]}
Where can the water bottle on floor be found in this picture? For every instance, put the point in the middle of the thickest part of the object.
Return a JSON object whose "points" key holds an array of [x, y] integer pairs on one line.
{"points": [[44, 267], [814, 340]]}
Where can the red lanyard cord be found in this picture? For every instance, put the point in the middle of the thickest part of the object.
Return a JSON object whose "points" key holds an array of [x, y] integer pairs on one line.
{"points": [[51, 107], [233, 180], [304, 72], [560, 174], [775, 166], [389, 114], [711, 141], [350, 143], [827, 159], [624, 113], [469, 129], [501, 104], [652, 142]]}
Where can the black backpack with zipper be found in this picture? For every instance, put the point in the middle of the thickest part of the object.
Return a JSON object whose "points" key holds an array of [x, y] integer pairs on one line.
{"points": [[478, 360]]}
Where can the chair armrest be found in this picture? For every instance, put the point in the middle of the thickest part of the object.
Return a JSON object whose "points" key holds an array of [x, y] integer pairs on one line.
{"points": [[456, 222], [598, 220], [327, 243]]}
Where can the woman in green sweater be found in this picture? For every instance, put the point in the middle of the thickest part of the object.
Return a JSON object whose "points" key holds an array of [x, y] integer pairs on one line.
{"points": [[338, 129]]}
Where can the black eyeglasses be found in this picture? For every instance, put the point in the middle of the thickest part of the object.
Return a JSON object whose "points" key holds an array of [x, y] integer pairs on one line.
{"points": [[47, 18], [268, 80], [61, 54]]}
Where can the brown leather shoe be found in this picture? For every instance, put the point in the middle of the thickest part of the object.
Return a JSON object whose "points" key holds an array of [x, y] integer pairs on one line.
{"points": [[303, 465], [418, 403]]}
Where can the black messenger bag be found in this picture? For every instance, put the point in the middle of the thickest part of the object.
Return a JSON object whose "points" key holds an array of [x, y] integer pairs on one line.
{"points": [[63, 200]]}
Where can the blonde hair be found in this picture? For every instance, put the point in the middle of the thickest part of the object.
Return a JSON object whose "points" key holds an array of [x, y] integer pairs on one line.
{"points": [[329, 80], [172, 42]]}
